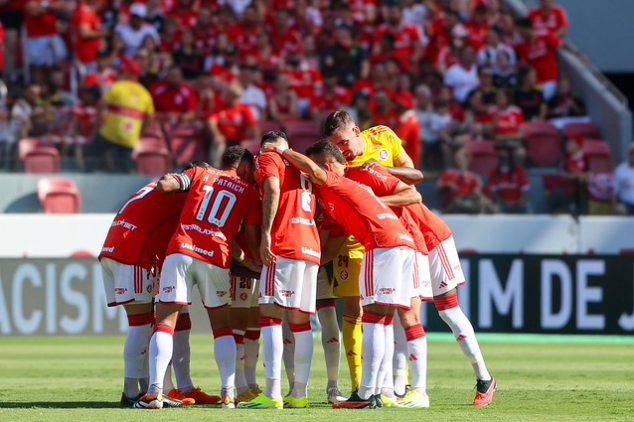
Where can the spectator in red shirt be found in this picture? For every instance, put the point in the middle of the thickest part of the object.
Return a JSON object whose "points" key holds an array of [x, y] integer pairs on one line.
{"points": [[232, 122], [408, 39], [408, 128], [185, 13], [332, 97], [507, 119], [461, 190], [285, 39], [44, 45], [477, 26], [303, 78], [86, 25], [174, 100], [283, 103], [508, 184], [383, 112], [550, 17], [539, 50]]}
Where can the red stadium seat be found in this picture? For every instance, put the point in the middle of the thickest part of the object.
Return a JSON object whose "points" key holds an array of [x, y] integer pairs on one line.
{"points": [[302, 133], [153, 130], [483, 157], [586, 129], [59, 195], [82, 254], [252, 145], [25, 145], [543, 143], [151, 159], [42, 159], [598, 156], [186, 143], [269, 125]]}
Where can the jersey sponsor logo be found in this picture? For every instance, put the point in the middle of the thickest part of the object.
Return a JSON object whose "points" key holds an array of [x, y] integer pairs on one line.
{"points": [[404, 237], [123, 223], [304, 221], [311, 252], [386, 215], [375, 173], [343, 275], [196, 249], [108, 249], [384, 154], [206, 232], [287, 293]]}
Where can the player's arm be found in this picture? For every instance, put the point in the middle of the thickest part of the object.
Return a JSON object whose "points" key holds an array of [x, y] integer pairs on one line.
{"points": [[315, 173], [252, 235], [171, 183], [238, 254], [404, 170], [270, 202], [402, 196], [330, 248]]}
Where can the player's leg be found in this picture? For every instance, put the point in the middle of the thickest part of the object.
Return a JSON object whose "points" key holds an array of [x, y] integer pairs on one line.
{"points": [[346, 272], [288, 354], [416, 346], [182, 351], [446, 275], [242, 293], [252, 348], [400, 359], [386, 371]]}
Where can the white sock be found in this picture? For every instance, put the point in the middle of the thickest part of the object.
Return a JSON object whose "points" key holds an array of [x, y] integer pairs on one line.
{"points": [[400, 359], [288, 354], [241, 381], [225, 354], [417, 353], [181, 360], [303, 358], [463, 332], [386, 378], [330, 341], [134, 356], [168, 384], [251, 353], [161, 348], [373, 349], [272, 349]]}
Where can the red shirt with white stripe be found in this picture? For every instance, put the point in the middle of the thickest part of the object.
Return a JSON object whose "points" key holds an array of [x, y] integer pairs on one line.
{"points": [[508, 121], [173, 100], [552, 21], [143, 227], [541, 53], [217, 203], [294, 233], [509, 185]]}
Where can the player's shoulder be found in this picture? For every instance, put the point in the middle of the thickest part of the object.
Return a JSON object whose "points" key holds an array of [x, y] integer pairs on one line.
{"points": [[378, 135]]}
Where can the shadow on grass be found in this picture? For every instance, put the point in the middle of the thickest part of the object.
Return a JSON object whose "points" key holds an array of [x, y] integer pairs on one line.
{"points": [[59, 405]]}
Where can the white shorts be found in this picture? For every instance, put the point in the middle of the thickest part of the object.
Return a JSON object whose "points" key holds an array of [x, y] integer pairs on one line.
{"points": [[386, 277], [324, 285], [422, 278], [444, 265], [127, 283], [291, 284], [243, 292], [45, 51], [179, 274]]}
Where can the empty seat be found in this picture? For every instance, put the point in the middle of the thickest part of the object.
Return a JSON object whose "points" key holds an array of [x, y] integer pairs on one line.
{"points": [[586, 129], [59, 195], [153, 130], [598, 156], [186, 143], [483, 156], [82, 254], [42, 159], [26, 145], [152, 160], [543, 143]]}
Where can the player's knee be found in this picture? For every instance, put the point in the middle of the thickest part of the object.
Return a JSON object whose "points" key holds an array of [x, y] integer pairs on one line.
{"points": [[296, 317], [408, 318]]}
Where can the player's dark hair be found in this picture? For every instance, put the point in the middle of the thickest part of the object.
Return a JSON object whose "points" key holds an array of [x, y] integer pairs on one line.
{"points": [[196, 163], [234, 155], [337, 120], [326, 147], [272, 136]]}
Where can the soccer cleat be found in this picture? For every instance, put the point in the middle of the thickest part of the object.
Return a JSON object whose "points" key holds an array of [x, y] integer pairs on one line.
{"points": [[228, 402], [257, 390], [176, 394], [377, 400], [262, 401], [387, 401], [291, 402], [356, 402], [335, 395], [129, 401], [246, 395], [150, 402], [414, 400], [200, 397], [169, 403], [485, 392]]}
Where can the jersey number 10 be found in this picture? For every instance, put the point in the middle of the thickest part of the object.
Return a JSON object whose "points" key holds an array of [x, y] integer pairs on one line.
{"points": [[221, 206]]}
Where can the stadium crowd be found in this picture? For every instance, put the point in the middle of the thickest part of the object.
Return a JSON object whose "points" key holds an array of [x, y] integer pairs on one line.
{"points": [[441, 73]]}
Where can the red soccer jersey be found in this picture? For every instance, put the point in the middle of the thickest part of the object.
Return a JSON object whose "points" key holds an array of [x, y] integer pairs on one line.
{"points": [[41, 25], [173, 100], [85, 48], [360, 213], [86, 117], [541, 53], [186, 17], [217, 204], [576, 163], [477, 33], [556, 19], [509, 186], [465, 184], [143, 227], [406, 38], [1, 46], [233, 121], [508, 121], [294, 233]]}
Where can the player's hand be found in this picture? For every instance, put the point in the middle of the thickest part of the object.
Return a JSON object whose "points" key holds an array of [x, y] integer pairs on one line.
{"points": [[370, 163], [252, 265], [270, 146], [266, 255]]}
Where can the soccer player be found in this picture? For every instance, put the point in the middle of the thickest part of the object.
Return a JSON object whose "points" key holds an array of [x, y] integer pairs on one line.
{"points": [[388, 260], [244, 282], [290, 253], [379, 143], [217, 204]]}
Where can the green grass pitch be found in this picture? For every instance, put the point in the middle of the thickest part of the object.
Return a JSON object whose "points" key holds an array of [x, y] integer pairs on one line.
{"points": [[562, 378]]}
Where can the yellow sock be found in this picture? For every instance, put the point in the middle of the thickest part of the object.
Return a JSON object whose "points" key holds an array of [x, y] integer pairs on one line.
{"points": [[352, 342]]}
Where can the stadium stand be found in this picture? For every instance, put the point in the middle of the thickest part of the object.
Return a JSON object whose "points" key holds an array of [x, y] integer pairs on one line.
{"points": [[59, 195]]}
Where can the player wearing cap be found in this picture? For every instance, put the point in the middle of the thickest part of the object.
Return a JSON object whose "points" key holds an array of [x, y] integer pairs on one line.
{"points": [[388, 260], [217, 204], [290, 252], [378, 143]]}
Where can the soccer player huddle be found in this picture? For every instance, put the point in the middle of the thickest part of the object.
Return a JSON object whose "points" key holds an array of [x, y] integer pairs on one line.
{"points": [[270, 241]]}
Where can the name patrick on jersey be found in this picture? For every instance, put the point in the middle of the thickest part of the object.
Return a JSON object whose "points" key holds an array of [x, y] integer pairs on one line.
{"points": [[235, 185]]}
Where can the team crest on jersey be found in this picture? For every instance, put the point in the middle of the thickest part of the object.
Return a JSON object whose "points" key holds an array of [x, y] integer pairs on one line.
{"points": [[384, 154], [343, 275], [243, 296]]}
